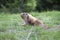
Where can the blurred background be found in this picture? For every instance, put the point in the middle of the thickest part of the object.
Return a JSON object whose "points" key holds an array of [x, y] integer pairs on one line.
{"points": [[29, 5]]}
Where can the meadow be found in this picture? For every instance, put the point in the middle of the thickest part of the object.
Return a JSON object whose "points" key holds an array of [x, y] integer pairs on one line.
{"points": [[11, 28]]}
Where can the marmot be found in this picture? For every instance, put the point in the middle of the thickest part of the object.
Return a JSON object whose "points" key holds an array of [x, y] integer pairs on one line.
{"points": [[29, 19]]}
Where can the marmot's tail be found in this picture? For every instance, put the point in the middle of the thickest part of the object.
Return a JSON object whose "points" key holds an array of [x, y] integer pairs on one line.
{"points": [[54, 28]]}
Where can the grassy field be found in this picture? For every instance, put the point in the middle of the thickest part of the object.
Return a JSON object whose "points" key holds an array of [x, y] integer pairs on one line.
{"points": [[11, 28]]}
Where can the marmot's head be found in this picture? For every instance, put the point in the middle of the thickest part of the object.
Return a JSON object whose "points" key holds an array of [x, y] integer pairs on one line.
{"points": [[24, 15]]}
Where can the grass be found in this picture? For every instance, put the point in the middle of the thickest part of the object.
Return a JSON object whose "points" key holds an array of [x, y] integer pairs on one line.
{"points": [[11, 28]]}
